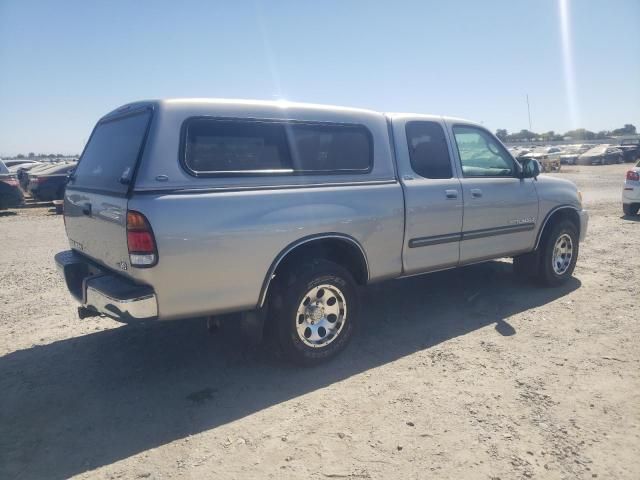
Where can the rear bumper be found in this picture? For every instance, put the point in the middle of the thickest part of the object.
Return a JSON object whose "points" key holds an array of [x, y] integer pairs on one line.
{"points": [[584, 223], [105, 292]]}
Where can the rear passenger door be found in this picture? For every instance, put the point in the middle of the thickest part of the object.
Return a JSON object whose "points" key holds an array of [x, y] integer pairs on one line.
{"points": [[433, 196], [500, 208]]}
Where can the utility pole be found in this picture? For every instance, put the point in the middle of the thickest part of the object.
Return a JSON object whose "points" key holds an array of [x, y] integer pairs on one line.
{"points": [[529, 113]]}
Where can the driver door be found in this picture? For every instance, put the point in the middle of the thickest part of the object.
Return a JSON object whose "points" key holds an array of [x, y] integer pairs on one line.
{"points": [[500, 209]]}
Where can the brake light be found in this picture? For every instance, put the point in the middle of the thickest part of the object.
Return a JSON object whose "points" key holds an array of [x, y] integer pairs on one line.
{"points": [[140, 241], [634, 176]]}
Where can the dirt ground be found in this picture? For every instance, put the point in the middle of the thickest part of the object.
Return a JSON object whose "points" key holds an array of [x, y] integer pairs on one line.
{"points": [[466, 374]]}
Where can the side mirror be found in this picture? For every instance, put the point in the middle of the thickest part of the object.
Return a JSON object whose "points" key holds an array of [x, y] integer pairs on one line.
{"points": [[530, 168]]}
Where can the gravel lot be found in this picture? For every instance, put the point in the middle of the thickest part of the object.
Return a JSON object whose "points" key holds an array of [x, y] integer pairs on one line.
{"points": [[460, 374]]}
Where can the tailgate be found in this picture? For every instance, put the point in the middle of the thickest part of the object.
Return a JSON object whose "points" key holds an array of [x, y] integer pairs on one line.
{"points": [[96, 197], [96, 227]]}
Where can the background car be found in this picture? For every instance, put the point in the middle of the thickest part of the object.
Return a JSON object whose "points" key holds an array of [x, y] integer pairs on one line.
{"points": [[24, 171], [18, 161], [631, 191], [10, 194], [16, 167], [570, 153], [49, 184], [630, 149], [601, 155]]}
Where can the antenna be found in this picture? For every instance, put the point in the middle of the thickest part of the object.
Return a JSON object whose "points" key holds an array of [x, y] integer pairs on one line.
{"points": [[529, 113]]}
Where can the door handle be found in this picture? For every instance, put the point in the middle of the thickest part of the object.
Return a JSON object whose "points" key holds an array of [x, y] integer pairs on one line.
{"points": [[451, 193], [476, 192], [86, 209]]}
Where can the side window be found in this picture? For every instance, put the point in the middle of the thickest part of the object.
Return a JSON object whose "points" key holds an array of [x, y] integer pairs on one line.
{"points": [[481, 155], [234, 146], [428, 150], [330, 148], [229, 146]]}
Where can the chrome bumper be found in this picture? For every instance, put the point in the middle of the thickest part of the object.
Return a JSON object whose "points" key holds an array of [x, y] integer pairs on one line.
{"points": [[584, 223], [105, 292]]}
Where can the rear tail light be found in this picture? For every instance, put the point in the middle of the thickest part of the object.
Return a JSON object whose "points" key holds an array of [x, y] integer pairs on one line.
{"points": [[634, 176], [140, 241]]}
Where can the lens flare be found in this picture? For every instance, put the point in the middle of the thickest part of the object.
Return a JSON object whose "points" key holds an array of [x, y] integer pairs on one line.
{"points": [[268, 51], [567, 60]]}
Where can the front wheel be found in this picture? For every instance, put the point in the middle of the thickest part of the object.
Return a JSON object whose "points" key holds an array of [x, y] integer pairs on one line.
{"points": [[314, 311], [558, 254]]}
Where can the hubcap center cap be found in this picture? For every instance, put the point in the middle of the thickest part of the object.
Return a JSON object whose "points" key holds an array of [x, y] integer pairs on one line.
{"points": [[315, 313]]}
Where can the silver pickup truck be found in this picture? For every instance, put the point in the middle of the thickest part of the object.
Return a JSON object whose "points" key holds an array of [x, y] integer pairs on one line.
{"points": [[200, 207]]}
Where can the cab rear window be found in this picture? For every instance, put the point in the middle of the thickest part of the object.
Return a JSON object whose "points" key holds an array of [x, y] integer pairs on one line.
{"points": [[226, 147], [109, 159]]}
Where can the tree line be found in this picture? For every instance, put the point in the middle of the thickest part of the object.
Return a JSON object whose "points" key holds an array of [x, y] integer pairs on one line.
{"points": [[578, 134]]}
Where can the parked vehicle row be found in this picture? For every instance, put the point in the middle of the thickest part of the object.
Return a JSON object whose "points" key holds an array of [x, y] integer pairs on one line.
{"points": [[551, 157]]}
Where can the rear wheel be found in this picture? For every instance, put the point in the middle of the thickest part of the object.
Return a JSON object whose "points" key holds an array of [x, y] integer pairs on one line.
{"points": [[630, 209], [314, 311], [558, 254]]}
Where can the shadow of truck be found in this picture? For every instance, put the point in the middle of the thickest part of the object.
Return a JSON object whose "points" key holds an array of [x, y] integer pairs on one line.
{"points": [[81, 403]]}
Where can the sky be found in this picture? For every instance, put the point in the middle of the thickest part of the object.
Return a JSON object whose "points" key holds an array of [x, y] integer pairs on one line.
{"points": [[64, 64]]}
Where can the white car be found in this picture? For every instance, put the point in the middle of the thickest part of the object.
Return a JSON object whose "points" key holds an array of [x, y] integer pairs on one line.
{"points": [[631, 191]]}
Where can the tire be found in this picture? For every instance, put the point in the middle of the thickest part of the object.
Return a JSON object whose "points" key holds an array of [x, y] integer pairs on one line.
{"points": [[630, 209], [310, 334], [556, 266]]}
